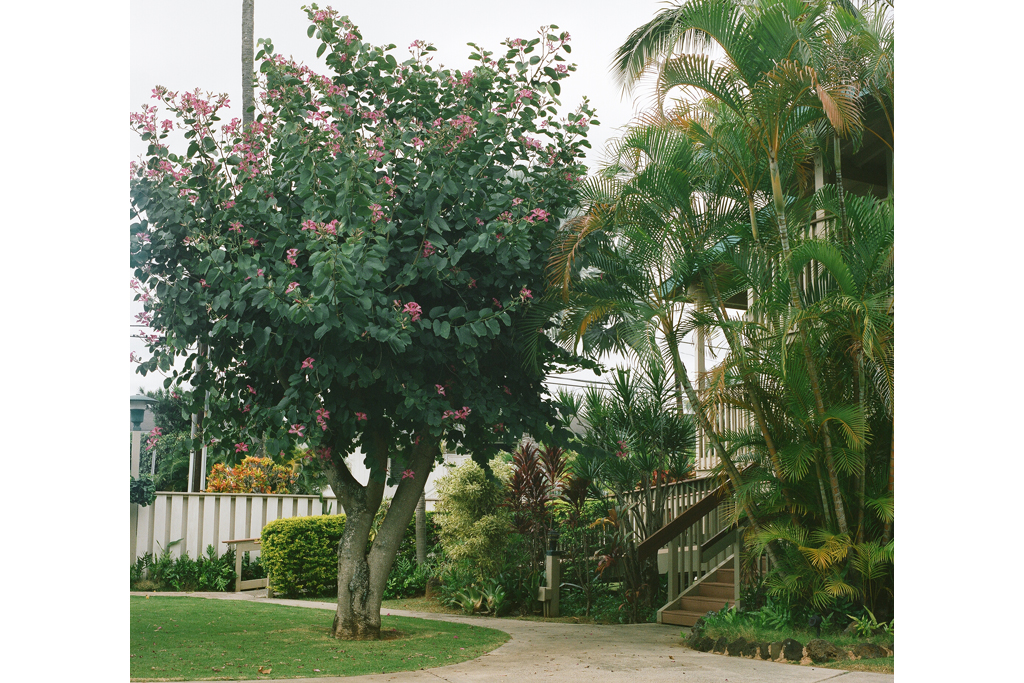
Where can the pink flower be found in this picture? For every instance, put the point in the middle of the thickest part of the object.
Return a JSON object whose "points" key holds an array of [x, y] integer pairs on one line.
{"points": [[408, 474], [479, 221], [378, 213], [133, 358], [416, 142], [496, 302], [428, 248], [525, 294], [506, 390], [291, 287], [235, 227], [202, 281], [517, 201], [360, 416], [297, 430], [440, 389], [308, 363], [259, 272], [251, 390], [145, 317], [241, 448], [290, 256], [413, 309], [254, 242], [524, 94], [229, 203], [322, 416]]}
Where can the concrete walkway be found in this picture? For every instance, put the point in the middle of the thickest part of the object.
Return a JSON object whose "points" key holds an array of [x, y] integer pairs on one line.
{"points": [[584, 653]]}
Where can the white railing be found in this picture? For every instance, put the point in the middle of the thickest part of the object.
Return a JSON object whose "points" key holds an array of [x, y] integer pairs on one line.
{"points": [[203, 519]]}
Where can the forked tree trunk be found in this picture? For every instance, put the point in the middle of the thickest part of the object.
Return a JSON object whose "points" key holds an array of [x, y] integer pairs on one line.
{"points": [[362, 572]]}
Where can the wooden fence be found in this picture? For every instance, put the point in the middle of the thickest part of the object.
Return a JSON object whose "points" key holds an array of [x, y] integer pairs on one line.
{"points": [[203, 519]]}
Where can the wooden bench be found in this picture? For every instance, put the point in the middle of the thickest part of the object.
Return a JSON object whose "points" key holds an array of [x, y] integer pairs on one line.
{"points": [[243, 545]]}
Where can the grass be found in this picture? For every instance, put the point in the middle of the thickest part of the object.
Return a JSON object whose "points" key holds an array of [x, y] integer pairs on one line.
{"points": [[178, 638], [882, 665]]}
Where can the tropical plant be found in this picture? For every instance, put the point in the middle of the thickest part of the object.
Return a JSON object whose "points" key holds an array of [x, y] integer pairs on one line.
{"points": [[252, 475], [356, 264], [708, 200]]}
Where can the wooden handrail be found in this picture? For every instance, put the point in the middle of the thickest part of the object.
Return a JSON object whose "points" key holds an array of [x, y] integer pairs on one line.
{"points": [[684, 521]]}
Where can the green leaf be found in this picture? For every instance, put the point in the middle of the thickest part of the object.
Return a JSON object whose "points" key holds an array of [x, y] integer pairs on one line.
{"points": [[445, 329], [320, 50]]}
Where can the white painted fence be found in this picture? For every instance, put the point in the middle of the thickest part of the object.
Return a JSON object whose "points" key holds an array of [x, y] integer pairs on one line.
{"points": [[202, 519]]}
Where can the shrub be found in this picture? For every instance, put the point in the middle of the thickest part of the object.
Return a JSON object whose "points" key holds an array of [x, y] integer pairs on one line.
{"points": [[473, 523], [209, 573], [252, 475], [301, 554]]}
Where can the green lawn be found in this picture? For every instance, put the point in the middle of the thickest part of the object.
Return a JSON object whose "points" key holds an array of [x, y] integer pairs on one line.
{"points": [[177, 638]]}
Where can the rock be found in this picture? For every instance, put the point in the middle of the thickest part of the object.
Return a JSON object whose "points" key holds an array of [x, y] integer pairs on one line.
{"points": [[850, 630], [793, 650], [699, 642], [774, 650], [823, 651], [765, 650], [869, 651], [738, 647], [720, 645]]}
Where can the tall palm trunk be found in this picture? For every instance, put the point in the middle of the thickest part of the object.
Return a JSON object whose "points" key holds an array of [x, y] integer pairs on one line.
{"points": [[248, 28], [812, 366]]}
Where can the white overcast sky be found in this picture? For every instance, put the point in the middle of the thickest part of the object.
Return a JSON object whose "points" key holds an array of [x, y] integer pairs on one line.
{"points": [[198, 45]]}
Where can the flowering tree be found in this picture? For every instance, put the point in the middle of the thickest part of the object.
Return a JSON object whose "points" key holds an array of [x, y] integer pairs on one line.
{"points": [[359, 261]]}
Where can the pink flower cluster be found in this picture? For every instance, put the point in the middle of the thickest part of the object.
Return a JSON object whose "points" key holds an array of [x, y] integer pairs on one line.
{"points": [[290, 256], [360, 416], [428, 249], [531, 143], [308, 363], [456, 414], [623, 449], [378, 213], [292, 286], [298, 430], [322, 416], [413, 309], [236, 226], [144, 318], [524, 94], [440, 389], [241, 448], [525, 294], [154, 436], [408, 474], [321, 228], [537, 215]]}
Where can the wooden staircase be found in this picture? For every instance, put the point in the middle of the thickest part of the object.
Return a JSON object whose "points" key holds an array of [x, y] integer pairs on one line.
{"points": [[713, 591]]}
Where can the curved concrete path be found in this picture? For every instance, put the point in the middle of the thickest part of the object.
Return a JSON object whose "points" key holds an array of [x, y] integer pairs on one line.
{"points": [[583, 653]]}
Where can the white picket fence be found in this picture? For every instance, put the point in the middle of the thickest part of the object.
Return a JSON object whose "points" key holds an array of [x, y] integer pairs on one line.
{"points": [[203, 519]]}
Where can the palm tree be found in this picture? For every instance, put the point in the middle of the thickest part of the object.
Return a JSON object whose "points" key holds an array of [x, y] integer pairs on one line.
{"points": [[767, 77]]}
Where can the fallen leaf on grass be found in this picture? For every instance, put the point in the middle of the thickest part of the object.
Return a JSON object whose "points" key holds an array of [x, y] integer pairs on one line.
{"points": [[264, 669]]}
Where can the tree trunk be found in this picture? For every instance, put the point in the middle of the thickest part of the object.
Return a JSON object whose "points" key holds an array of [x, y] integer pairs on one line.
{"points": [[362, 572], [248, 28], [421, 530]]}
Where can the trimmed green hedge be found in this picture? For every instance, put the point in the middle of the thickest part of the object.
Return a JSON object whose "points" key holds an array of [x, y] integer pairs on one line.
{"points": [[301, 554]]}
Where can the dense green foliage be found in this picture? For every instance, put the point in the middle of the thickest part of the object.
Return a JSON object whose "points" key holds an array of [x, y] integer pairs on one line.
{"points": [[709, 199], [472, 524], [301, 554], [182, 573]]}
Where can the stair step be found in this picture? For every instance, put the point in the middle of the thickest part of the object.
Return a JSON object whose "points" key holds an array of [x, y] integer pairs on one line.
{"points": [[700, 604], [722, 576], [680, 617], [713, 589]]}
